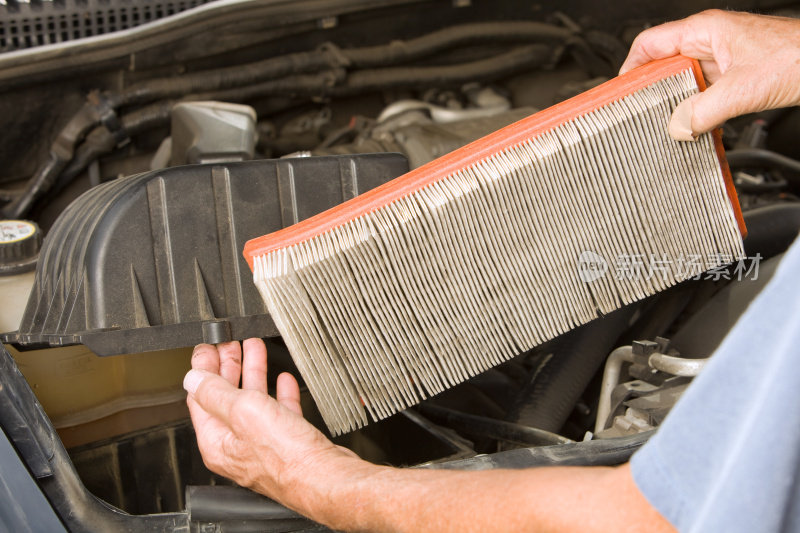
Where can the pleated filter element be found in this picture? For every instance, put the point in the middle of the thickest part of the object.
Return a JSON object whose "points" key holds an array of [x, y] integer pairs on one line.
{"points": [[504, 244]]}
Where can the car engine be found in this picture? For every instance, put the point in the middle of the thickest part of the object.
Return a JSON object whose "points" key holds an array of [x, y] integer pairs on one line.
{"points": [[146, 140]]}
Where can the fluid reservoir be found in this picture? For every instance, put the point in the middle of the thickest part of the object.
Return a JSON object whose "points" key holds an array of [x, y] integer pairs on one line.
{"points": [[86, 396], [20, 241]]}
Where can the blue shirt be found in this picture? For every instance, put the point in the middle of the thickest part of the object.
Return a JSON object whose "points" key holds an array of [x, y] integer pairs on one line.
{"points": [[727, 458]]}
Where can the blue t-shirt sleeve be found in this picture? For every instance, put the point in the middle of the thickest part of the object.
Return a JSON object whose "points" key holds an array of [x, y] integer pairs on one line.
{"points": [[727, 457]]}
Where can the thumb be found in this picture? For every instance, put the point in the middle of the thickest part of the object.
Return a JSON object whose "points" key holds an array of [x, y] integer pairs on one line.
{"points": [[707, 110], [211, 392]]}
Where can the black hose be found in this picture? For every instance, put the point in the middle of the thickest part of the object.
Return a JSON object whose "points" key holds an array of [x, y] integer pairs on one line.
{"points": [[468, 34], [557, 384], [330, 57], [771, 229], [215, 504], [60, 154], [481, 426], [339, 83], [100, 141], [230, 77], [101, 107], [46, 175], [318, 84], [604, 452], [492, 67], [758, 157]]}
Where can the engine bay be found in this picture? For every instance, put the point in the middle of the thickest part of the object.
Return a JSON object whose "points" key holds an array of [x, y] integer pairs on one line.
{"points": [[138, 160]]}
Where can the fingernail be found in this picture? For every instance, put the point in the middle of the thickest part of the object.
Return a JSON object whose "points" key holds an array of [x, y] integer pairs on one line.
{"points": [[192, 380], [680, 125]]}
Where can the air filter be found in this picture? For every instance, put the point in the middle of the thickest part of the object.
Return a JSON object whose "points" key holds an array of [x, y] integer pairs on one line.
{"points": [[536, 229]]}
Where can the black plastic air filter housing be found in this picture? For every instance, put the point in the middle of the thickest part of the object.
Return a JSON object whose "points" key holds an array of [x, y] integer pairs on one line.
{"points": [[154, 261]]}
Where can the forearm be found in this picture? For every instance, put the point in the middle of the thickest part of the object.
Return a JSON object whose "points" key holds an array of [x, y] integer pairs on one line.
{"points": [[357, 496], [265, 444]]}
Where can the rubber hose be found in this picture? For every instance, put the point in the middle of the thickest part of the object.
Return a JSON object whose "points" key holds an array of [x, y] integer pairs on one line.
{"points": [[41, 182], [100, 141], [483, 426], [229, 77], [339, 83], [557, 384], [331, 57], [402, 51], [603, 452], [758, 157], [59, 156], [771, 229], [317, 84], [492, 67]]}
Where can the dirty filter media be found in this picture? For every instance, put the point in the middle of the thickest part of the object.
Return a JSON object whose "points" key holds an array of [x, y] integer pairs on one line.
{"points": [[504, 244]]}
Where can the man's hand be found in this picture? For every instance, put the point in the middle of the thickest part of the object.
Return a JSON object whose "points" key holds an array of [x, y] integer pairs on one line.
{"points": [[749, 60], [249, 437], [265, 444]]}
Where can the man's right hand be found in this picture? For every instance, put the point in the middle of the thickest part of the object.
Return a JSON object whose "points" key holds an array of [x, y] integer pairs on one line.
{"points": [[750, 61]]}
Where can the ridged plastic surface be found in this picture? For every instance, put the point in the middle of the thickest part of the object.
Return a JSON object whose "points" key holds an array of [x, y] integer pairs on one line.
{"points": [[154, 261], [28, 24]]}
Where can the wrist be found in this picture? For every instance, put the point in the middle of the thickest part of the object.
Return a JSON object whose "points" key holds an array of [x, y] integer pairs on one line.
{"points": [[332, 489]]}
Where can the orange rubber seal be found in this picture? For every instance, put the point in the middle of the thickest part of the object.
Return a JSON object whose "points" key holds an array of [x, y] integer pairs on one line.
{"points": [[485, 147]]}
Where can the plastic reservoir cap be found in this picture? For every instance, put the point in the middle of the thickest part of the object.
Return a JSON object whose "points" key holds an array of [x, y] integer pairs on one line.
{"points": [[20, 242]]}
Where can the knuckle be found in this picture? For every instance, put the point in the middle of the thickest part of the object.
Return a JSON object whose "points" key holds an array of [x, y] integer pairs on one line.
{"points": [[213, 466], [228, 348], [209, 457], [711, 13], [247, 407], [238, 419], [202, 349], [203, 354], [245, 476], [242, 413], [231, 361]]}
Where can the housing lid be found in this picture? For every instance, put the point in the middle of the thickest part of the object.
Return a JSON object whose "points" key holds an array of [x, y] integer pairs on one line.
{"points": [[154, 261]]}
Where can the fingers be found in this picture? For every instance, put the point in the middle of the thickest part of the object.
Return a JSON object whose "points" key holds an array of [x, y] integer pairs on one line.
{"points": [[213, 394], [734, 94], [224, 359], [288, 393], [200, 418], [655, 43], [680, 124], [254, 366], [205, 357], [706, 37], [230, 361], [692, 37]]}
